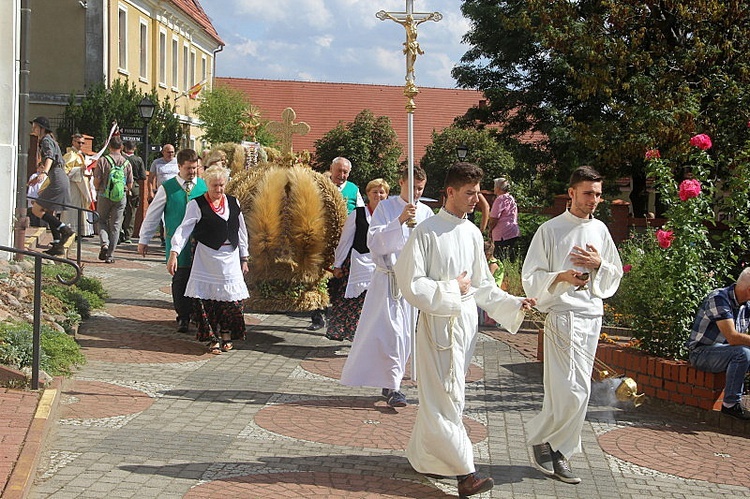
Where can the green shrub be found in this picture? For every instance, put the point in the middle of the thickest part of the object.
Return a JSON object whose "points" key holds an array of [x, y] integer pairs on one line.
{"points": [[60, 354]]}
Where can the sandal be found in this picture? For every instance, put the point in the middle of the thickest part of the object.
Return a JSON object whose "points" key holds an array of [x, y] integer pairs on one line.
{"points": [[226, 343], [214, 348]]}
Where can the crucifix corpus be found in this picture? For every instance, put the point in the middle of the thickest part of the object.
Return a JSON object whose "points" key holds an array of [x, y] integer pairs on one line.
{"points": [[410, 20]]}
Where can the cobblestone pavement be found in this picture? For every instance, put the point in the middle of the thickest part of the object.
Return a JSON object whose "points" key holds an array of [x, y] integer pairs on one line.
{"points": [[152, 415]]}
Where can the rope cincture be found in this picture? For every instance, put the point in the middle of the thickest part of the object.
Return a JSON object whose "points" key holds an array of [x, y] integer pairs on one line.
{"points": [[603, 371]]}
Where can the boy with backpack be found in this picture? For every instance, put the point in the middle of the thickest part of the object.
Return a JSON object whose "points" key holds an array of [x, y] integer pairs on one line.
{"points": [[113, 179]]}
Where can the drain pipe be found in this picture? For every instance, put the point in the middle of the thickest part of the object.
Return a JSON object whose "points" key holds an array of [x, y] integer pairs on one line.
{"points": [[21, 221]]}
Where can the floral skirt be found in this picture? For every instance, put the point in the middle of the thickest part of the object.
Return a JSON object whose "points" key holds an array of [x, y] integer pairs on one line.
{"points": [[344, 313], [215, 317]]}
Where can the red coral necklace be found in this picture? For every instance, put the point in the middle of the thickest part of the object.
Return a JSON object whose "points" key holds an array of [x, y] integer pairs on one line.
{"points": [[217, 209]]}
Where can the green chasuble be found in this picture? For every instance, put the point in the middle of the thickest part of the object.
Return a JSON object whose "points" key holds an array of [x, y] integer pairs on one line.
{"points": [[174, 212], [350, 196]]}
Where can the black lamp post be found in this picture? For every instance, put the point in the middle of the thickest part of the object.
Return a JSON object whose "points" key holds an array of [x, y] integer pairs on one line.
{"points": [[146, 111], [462, 151]]}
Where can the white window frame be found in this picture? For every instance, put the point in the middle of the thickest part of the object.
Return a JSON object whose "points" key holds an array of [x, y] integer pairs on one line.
{"points": [[162, 58], [143, 54], [175, 63], [204, 68], [185, 59], [191, 69], [122, 39]]}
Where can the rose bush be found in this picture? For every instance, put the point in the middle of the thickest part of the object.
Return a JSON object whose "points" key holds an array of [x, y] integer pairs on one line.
{"points": [[673, 268]]}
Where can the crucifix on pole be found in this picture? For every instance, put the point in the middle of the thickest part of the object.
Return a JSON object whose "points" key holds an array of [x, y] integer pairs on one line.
{"points": [[410, 20]]}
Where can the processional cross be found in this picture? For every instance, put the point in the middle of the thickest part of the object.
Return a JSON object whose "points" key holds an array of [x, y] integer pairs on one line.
{"points": [[410, 20], [287, 129]]}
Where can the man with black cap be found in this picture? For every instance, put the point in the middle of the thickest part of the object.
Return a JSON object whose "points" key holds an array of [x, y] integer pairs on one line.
{"points": [[57, 193]]}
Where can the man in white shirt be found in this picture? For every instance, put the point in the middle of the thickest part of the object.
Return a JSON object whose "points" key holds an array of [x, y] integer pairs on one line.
{"points": [[382, 342], [170, 202], [443, 272], [571, 266]]}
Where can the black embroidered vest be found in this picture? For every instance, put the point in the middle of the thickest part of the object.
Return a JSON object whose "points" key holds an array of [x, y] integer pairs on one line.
{"points": [[212, 230]]}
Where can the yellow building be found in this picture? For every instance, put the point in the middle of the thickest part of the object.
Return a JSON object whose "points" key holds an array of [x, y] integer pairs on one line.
{"points": [[166, 45]]}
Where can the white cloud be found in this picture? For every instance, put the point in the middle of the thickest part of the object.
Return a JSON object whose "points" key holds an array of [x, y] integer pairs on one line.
{"points": [[333, 40], [324, 41]]}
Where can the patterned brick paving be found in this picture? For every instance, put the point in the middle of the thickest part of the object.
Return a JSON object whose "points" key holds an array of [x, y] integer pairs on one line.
{"points": [[361, 423], [686, 451], [94, 399], [315, 485], [139, 348], [331, 367], [269, 429]]}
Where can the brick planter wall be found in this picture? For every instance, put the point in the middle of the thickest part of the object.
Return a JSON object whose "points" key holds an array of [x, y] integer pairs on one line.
{"points": [[670, 380]]}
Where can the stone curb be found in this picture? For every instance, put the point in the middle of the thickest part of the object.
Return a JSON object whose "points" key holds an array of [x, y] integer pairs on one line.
{"points": [[22, 476]]}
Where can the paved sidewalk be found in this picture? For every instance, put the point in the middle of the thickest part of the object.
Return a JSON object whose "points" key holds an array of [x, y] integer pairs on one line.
{"points": [[152, 415]]}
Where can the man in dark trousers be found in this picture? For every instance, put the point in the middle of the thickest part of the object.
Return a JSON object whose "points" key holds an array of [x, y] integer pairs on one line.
{"points": [[134, 195], [170, 201]]}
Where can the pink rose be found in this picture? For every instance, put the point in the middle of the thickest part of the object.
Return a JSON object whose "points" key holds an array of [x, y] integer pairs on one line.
{"points": [[627, 268], [652, 154], [664, 238], [689, 188], [701, 141]]}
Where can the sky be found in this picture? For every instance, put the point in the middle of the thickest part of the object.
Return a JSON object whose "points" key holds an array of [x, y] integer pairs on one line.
{"points": [[339, 41]]}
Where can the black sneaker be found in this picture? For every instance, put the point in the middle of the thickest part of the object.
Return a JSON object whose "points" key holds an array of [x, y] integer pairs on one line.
{"points": [[385, 392], [736, 411], [55, 250], [103, 253], [397, 399], [65, 234], [562, 469], [541, 458]]}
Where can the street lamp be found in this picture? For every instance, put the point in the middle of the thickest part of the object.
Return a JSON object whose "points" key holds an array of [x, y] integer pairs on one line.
{"points": [[146, 111], [462, 151]]}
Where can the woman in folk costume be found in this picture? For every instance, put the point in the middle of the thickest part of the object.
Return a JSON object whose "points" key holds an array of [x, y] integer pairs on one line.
{"points": [[80, 190], [353, 266], [219, 262]]}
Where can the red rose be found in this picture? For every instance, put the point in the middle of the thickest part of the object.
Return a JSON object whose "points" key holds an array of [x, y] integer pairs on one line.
{"points": [[664, 238], [689, 188], [627, 268], [701, 141], [652, 154]]}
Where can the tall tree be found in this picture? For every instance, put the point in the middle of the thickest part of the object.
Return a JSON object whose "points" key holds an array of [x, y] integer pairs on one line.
{"points": [[605, 79], [101, 106], [369, 142], [483, 150], [222, 111]]}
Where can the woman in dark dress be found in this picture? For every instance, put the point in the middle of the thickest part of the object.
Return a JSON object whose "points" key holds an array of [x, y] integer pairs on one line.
{"points": [[353, 267], [56, 191]]}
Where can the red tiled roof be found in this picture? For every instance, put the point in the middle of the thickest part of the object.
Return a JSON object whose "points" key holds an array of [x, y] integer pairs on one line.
{"points": [[193, 9], [323, 105]]}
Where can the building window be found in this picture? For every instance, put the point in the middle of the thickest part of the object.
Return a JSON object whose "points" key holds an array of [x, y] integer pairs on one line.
{"points": [[163, 58], [185, 73], [122, 33], [175, 62], [192, 68], [203, 68], [144, 51]]}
